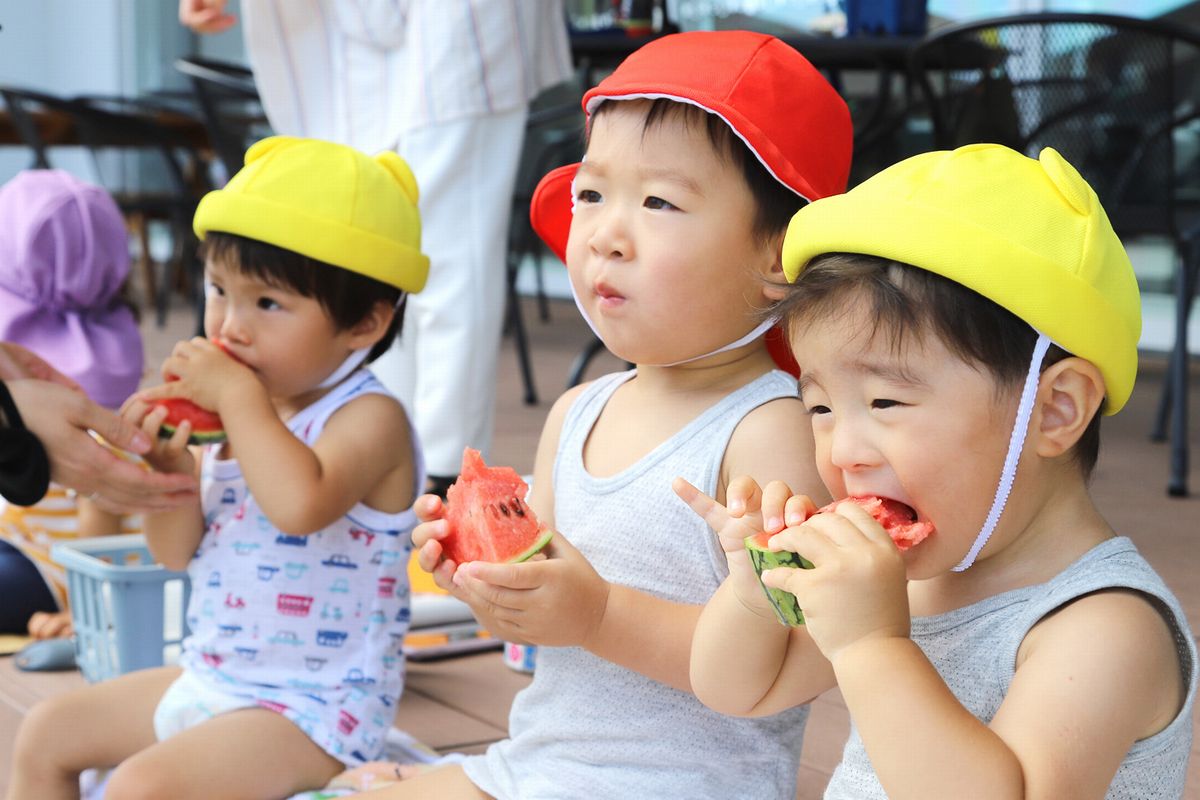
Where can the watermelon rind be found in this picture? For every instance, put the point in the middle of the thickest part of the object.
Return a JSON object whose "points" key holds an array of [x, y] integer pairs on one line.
{"points": [[533, 549], [166, 431], [787, 609]]}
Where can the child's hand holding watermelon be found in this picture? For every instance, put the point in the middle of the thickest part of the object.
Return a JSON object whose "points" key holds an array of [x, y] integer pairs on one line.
{"points": [[475, 544], [856, 588], [748, 511]]}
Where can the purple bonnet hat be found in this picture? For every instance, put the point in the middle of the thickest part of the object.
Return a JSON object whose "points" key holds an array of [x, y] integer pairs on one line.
{"points": [[63, 258]]}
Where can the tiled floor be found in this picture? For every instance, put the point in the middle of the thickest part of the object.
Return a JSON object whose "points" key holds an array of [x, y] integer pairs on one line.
{"points": [[462, 704]]}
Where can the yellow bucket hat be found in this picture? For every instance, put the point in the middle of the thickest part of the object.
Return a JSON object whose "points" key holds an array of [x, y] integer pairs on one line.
{"points": [[325, 201], [1028, 234]]}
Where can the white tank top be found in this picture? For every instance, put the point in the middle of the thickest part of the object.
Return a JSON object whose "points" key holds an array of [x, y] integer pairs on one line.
{"points": [[586, 727]]}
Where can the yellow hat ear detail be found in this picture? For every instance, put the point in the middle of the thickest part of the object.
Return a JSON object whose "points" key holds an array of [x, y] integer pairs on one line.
{"points": [[264, 146], [399, 169], [1068, 181]]}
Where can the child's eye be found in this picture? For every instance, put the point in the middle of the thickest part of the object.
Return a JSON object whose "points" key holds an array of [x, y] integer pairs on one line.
{"points": [[819, 410], [884, 403], [213, 289], [657, 203], [587, 196], [267, 304]]}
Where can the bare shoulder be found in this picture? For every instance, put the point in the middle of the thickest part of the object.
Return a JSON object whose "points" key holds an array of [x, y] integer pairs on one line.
{"points": [[376, 407], [1124, 630], [1118, 645], [775, 442]]}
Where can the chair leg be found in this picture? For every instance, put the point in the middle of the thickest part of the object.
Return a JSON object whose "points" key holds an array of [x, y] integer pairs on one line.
{"points": [[593, 348], [1178, 374], [521, 340], [542, 299], [145, 266]]}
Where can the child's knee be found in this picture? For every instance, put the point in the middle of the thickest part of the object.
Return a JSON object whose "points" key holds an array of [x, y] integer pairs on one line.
{"points": [[141, 779], [37, 753]]}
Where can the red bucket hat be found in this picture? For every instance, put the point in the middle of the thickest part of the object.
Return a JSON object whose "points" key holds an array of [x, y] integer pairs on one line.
{"points": [[794, 122]]}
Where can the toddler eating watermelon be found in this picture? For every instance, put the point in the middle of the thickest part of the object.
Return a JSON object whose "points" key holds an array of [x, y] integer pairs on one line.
{"points": [[963, 319], [297, 544], [668, 229]]}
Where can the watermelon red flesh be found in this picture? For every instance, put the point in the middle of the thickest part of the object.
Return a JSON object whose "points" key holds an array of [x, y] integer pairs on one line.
{"points": [[206, 426], [897, 519], [488, 517]]}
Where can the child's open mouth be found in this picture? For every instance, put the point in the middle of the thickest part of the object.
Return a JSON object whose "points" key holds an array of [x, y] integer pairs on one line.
{"points": [[899, 520]]}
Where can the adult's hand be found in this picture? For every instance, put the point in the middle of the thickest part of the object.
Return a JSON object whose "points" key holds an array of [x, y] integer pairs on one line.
{"points": [[61, 417], [205, 16], [16, 362]]}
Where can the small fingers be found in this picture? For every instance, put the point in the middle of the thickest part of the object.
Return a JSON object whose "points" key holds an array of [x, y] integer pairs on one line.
{"points": [[743, 495], [429, 555], [775, 498], [429, 507], [498, 600], [705, 507], [797, 509], [432, 531], [864, 523], [510, 576]]}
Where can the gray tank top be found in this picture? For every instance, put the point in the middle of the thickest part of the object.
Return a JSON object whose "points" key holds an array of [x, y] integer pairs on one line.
{"points": [[975, 651], [586, 727]]}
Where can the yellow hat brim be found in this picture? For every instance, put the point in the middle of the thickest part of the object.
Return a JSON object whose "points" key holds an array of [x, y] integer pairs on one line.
{"points": [[1100, 326], [323, 239]]}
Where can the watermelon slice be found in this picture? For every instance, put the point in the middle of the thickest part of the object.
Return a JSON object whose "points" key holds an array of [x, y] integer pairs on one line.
{"points": [[487, 515], [897, 519], [206, 426]]}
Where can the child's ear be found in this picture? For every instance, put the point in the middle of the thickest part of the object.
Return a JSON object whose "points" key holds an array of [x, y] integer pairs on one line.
{"points": [[775, 285], [1069, 395], [371, 328]]}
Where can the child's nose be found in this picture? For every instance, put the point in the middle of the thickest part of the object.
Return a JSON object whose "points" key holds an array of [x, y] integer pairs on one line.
{"points": [[610, 238], [233, 325], [851, 450]]}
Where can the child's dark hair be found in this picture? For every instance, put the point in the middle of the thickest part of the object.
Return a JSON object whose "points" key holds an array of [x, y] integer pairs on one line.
{"points": [[906, 299], [775, 203], [346, 296]]}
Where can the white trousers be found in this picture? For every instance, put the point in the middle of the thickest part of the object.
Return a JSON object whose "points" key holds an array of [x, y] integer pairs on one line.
{"points": [[444, 365]]}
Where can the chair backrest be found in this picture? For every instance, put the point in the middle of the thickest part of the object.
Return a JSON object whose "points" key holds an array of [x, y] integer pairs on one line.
{"points": [[22, 106], [230, 104], [1108, 92]]}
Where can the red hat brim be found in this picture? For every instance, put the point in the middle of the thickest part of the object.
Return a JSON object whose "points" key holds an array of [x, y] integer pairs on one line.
{"points": [[550, 209]]}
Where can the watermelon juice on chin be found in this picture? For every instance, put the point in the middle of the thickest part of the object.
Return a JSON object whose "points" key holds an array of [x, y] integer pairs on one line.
{"points": [[487, 516], [895, 517]]}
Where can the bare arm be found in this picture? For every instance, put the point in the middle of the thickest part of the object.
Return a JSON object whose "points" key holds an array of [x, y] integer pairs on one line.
{"points": [[743, 660], [300, 489], [173, 535], [1092, 678]]}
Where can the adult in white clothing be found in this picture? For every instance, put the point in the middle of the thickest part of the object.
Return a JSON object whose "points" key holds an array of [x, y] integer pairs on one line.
{"points": [[447, 84]]}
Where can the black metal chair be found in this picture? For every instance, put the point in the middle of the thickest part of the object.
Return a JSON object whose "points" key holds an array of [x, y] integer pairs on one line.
{"points": [[229, 105], [553, 137], [1110, 93], [146, 155]]}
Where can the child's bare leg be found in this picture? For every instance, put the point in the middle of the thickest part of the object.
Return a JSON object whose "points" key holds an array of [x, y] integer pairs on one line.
{"points": [[444, 783], [95, 726], [252, 753]]}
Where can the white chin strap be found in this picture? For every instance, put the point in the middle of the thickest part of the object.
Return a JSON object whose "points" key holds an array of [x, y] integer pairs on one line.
{"points": [[351, 363], [1015, 444]]}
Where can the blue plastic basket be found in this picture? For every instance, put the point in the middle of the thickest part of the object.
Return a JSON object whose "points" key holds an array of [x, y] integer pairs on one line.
{"points": [[128, 612]]}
